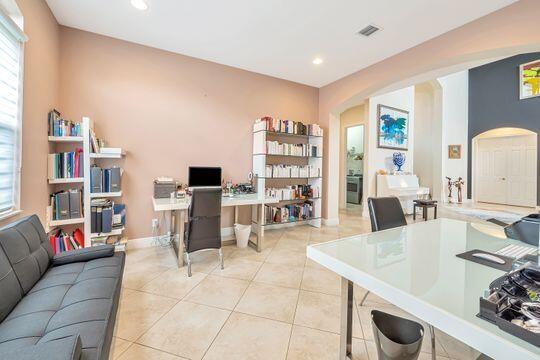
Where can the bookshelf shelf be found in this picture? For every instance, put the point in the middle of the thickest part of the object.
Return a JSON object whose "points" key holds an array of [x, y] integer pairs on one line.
{"points": [[56, 223], [66, 181], [105, 194], [67, 139], [106, 156], [264, 142], [114, 232]]}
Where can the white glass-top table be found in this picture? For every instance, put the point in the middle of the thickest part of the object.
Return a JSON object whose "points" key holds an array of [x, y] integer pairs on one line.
{"points": [[415, 268]]}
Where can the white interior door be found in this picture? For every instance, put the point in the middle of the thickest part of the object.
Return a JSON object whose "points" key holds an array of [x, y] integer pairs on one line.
{"points": [[506, 170]]}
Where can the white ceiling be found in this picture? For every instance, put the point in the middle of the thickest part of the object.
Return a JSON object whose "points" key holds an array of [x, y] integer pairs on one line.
{"points": [[276, 37]]}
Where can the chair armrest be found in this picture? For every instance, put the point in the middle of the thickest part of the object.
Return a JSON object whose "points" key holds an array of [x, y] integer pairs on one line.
{"points": [[68, 348], [81, 255]]}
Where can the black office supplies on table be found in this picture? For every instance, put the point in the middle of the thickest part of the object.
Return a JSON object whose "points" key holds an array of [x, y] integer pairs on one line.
{"points": [[507, 266]]}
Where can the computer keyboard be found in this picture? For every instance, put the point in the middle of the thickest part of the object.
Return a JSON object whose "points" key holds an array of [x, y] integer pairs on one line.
{"points": [[516, 251]]}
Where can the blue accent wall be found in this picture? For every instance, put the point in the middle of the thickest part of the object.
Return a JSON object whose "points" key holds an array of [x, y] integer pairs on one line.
{"points": [[494, 102]]}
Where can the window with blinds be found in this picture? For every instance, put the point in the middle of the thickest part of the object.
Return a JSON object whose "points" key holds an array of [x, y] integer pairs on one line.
{"points": [[11, 39]]}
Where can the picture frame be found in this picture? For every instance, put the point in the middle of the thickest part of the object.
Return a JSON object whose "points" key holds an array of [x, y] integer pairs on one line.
{"points": [[529, 80], [392, 128], [454, 151]]}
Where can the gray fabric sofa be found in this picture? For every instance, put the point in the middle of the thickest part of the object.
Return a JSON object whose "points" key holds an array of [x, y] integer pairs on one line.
{"points": [[55, 307]]}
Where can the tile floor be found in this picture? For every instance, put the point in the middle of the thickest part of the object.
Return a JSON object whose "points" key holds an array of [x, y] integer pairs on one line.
{"points": [[276, 304]]}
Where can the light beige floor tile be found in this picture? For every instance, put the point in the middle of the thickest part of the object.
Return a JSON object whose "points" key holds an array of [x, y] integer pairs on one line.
{"points": [[138, 311], [281, 275], [156, 255], [251, 254], [187, 330], [455, 348], [140, 274], [269, 301], [238, 268], [118, 346], [218, 291], [323, 312], [139, 352], [174, 283], [372, 352], [291, 245], [287, 257], [249, 337], [312, 344], [321, 280]]}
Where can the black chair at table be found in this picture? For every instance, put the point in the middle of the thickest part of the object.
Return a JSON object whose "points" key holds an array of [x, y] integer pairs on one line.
{"points": [[387, 213], [203, 230]]}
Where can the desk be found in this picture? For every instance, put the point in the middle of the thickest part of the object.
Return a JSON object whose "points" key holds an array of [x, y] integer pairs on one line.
{"points": [[415, 268], [180, 207]]}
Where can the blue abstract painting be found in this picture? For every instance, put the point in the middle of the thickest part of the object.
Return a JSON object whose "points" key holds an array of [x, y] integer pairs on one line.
{"points": [[393, 128]]}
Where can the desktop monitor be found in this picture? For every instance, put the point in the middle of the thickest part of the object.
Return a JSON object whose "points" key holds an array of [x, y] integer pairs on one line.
{"points": [[199, 176]]}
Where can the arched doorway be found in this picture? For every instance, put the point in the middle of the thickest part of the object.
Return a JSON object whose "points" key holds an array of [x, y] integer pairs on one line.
{"points": [[504, 167]]}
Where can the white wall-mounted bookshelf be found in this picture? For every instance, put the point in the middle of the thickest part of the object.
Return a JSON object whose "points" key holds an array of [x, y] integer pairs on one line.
{"points": [[89, 158], [262, 158]]}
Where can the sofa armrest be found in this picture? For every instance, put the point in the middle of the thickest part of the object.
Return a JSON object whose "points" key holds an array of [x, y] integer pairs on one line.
{"points": [[81, 255], [68, 348]]}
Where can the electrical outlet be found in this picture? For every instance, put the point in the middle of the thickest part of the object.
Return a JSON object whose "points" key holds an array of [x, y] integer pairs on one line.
{"points": [[154, 223]]}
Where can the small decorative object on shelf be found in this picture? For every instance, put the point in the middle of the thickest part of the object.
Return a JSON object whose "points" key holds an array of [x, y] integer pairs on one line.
{"points": [[399, 160]]}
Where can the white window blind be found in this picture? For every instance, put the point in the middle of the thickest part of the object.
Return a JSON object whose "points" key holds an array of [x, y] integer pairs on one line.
{"points": [[11, 39]]}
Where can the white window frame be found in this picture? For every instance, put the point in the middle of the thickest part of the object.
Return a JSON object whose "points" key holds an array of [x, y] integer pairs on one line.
{"points": [[7, 21]]}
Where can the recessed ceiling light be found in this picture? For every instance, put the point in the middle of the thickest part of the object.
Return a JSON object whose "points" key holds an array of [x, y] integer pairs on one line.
{"points": [[317, 61], [139, 4]]}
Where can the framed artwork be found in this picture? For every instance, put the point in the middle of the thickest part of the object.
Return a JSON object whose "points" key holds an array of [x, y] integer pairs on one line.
{"points": [[529, 79], [393, 128], [454, 151]]}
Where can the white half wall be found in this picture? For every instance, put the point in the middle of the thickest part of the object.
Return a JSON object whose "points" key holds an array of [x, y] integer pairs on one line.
{"points": [[378, 158], [455, 113]]}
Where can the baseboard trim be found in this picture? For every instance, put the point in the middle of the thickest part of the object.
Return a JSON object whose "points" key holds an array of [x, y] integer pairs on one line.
{"points": [[227, 238], [330, 222]]}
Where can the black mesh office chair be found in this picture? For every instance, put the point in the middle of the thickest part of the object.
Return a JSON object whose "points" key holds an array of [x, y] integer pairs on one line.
{"points": [[203, 230], [385, 213]]}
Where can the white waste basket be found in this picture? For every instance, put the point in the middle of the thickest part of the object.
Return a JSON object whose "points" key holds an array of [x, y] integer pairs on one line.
{"points": [[242, 233]]}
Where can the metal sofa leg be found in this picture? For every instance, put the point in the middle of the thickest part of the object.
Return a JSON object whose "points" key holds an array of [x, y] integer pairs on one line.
{"points": [[433, 349]]}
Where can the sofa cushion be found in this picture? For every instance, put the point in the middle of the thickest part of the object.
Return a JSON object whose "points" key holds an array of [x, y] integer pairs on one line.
{"points": [[73, 299], [9, 287], [28, 249]]}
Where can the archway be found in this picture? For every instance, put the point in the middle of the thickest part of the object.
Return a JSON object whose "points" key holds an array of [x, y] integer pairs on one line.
{"points": [[504, 167]]}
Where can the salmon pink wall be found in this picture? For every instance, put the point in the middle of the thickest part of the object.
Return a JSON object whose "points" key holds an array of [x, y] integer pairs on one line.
{"points": [[40, 94], [170, 111]]}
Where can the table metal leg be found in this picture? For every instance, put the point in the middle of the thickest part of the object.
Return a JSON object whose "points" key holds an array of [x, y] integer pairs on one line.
{"points": [[260, 227], [435, 211], [347, 301], [433, 349], [180, 245], [414, 212]]}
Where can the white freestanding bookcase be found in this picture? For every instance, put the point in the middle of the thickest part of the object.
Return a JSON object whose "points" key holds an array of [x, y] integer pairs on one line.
{"points": [[261, 158], [89, 158]]}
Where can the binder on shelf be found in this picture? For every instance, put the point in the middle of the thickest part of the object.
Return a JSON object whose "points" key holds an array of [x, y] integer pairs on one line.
{"points": [[114, 179], [106, 220], [93, 219], [75, 203], [99, 217], [63, 212], [95, 179]]}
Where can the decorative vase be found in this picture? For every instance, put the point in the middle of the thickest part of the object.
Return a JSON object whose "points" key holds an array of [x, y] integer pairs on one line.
{"points": [[398, 159]]}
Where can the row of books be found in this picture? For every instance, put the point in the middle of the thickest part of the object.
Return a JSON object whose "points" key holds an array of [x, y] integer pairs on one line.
{"points": [[67, 204], [278, 148], [292, 171], [62, 127], [106, 216], [290, 127], [62, 241], [66, 165], [289, 213], [105, 180], [294, 192]]}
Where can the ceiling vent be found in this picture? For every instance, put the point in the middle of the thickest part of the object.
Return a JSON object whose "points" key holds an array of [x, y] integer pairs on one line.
{"points": [[369, 30]]}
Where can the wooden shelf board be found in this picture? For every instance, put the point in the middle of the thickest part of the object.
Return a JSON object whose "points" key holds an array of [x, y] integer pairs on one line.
{"points": [[105, 194], [65, 138], [66, 180], [114, 232], [55, 223]]}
